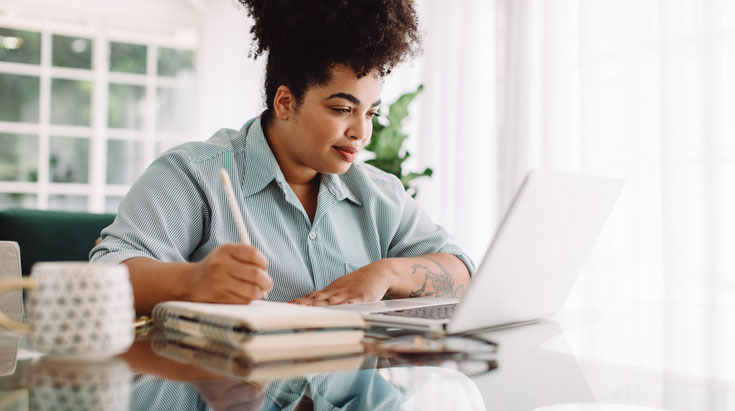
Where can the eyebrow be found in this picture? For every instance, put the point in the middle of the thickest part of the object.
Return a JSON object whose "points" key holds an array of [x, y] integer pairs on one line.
{"points": [[352, 99]]}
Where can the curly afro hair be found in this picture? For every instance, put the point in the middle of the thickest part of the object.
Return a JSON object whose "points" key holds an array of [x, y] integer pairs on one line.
{"points": [[305, 39]]}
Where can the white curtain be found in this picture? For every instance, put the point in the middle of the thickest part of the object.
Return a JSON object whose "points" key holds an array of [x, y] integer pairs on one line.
{"points": [[452, 123], [640, 89]]}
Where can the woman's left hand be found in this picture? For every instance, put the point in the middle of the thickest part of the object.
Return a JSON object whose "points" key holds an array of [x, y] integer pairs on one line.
{"points": [[366, 284]]}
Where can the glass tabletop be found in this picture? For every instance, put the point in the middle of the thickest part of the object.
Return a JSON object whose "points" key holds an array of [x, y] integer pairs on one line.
{"points": [[599, 356], [163, 371]]}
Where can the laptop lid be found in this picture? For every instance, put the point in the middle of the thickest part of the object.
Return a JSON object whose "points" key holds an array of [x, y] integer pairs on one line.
{"points": [[538, 250], [533, 261]]}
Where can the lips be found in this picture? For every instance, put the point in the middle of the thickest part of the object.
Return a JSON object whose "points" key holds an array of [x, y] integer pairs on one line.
{"points": [[347, 153]]}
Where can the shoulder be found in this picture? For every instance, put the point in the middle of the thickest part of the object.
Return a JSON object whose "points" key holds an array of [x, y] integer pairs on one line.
{"points": [[220, 148], [373, 176], [219, 144], [372, 184]]}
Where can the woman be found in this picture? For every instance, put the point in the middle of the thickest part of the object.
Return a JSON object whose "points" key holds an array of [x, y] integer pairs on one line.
{"points": [[325, 230]]}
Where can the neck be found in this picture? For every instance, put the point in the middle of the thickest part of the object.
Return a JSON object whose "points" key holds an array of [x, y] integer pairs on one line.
{"points": [[296, 174]]}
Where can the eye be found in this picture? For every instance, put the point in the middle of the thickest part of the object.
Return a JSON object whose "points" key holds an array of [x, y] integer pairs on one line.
{"points": [[341, 110], [373, 114]]}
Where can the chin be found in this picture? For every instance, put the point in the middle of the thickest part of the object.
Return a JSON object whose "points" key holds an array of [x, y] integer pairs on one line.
{"points": [[337, 169]]}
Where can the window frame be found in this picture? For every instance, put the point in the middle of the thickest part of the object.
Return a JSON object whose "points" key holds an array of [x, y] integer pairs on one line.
{"points": [[102, 34]]}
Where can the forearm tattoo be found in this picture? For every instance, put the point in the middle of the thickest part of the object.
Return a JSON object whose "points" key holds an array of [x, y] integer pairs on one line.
{"points": [[441, 284]]}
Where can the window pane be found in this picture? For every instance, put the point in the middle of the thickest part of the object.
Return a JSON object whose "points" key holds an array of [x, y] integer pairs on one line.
{"points": [[124, 161], [127, 58], [174, 111], [67, 202], [69, 160], [70, 102], [20, 96], [18, 157], [19, 46], [17, 200], [173, 61], [126, 106], [111, 204], [73, 52]]}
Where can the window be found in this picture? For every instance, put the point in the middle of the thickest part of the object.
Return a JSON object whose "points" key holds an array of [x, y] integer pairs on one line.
{"points": [[84, 111]]}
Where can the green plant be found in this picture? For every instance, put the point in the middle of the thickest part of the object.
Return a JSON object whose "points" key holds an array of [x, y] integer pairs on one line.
{"points": [[387, 142]]}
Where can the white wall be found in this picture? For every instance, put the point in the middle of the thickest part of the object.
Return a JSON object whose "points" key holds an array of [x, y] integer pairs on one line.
{"points": [[230, 83]]}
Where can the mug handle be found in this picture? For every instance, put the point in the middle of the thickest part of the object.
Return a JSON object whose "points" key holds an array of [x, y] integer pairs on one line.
{"points": [[5, 321]]}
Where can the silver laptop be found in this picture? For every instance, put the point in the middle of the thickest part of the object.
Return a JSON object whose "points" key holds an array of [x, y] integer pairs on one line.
{"points": [[530, 267]]}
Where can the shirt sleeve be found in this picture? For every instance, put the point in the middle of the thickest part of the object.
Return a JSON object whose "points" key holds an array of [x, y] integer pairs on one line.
{"points": [[418, 235], [164, 215]]}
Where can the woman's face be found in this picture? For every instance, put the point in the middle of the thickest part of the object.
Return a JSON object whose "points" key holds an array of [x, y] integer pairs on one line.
{"points": [[333, 122]]}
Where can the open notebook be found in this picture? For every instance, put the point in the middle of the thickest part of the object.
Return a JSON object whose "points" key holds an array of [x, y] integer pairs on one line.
{"points": [[261, 325]]}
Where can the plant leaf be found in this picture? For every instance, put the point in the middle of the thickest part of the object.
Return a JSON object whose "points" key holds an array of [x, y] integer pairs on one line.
{"points": [[387, 142], [406, 180], [399, 110]]}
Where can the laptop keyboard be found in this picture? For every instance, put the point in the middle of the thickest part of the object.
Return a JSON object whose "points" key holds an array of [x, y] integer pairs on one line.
{"points": [[435, 312]]}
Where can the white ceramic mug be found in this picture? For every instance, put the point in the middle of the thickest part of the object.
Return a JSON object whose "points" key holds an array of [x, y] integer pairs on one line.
{"points": [[76, 309]]}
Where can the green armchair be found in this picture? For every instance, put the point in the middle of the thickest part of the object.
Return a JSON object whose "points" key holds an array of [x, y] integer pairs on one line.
{"points": [[51, 235]]}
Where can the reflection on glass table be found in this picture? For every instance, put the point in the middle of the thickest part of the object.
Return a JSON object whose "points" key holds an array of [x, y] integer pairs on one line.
{"points": [[188, 377], [262, 366], [183, 379]]}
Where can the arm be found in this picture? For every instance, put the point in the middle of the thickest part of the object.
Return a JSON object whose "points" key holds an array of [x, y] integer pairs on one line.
{"points": [[420, 259], [430, 275], [231, 274], [161, 220]]}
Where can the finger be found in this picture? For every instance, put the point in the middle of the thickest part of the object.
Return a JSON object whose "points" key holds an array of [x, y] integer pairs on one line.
{"points": [[242, 296], [246, 254], [331, 298], [299, 300], [337, 299], [252, 275]]}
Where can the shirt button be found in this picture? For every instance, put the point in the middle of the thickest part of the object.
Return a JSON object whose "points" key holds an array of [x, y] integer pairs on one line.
{"points": [[312, 236]]}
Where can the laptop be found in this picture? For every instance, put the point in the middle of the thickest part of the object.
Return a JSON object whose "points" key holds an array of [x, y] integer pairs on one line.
{"points": [[530, 266]]}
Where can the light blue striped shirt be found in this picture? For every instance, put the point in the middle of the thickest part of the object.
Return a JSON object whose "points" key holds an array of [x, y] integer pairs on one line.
{"points": [[177, 212]]}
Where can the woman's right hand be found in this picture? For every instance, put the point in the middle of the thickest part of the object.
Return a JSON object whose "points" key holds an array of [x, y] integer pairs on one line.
{"points": [[230, 274]]}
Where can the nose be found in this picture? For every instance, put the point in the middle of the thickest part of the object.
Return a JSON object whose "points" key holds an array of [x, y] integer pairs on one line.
{"points": [[360, 129]]}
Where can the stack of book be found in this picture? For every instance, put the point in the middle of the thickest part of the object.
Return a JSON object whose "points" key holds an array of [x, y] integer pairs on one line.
{"points": [[261, 340]]}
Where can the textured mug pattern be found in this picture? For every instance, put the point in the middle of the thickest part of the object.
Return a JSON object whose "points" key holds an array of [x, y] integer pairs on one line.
{"points": [[80, 309]]}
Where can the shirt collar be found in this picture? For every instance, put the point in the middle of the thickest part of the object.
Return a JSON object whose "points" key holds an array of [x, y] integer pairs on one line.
{"points": [[338, 188], [261, 166]]}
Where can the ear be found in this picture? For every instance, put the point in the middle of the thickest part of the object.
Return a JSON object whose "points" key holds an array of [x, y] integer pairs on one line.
{"points": [[283, 103]]}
